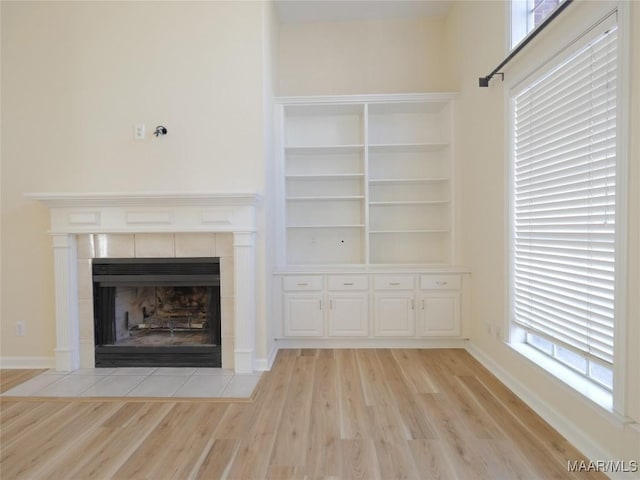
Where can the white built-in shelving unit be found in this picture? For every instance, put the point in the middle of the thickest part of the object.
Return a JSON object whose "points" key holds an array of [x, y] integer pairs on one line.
{"points": [[367, 180], [366, 244]]}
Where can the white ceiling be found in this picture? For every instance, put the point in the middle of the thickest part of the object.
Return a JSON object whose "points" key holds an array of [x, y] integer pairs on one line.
{"points": [[306, 11]]}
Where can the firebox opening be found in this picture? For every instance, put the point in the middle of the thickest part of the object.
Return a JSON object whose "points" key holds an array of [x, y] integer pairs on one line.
{"points": [[157, 312]]}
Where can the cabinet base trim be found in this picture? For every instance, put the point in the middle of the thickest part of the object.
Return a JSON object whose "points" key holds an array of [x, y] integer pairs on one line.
{"points": [[372, 343]]}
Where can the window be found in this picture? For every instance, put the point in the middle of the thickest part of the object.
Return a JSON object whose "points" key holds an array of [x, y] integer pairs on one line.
{"points": [[526, 15], [564, 210], [539, 10]]}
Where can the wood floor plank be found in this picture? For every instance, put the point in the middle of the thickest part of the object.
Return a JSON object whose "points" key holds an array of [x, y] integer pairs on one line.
{"points": [[293, 430], [185, 448], [358, 459], [36, 450], [120, 443], [561, 449], [415, 420], [458, 444], [355, 419], [475, 418], [418, 379], [394, 459], [538, 454], [8, 406], [392, 428], [309, 352], [254, 453], [252, 458], [373, 383], [430, 459], [218, 460], [14, 377], [144, 461], [326, 353], [318, 414], [386, 418], [504, 462], [323, 456], [236, 421], [25, 417]]}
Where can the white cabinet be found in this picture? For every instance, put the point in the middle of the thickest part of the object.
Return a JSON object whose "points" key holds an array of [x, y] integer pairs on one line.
{"points": [[439, 315], [348, 314], [376, 305], [394, 305], [394, 314], [439, 312], [303, 306], [303, 315], [366, 180], [348, 305]]}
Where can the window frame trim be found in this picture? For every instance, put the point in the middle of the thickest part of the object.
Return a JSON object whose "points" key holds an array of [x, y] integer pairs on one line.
{"points": [[515, 335]]}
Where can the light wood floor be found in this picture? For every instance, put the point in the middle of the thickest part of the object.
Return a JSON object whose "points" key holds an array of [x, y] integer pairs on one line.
{"points": [[370, 414]]}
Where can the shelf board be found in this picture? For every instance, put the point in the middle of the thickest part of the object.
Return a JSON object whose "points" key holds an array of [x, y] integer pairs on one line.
{"points": [[326, 176], [383, 181], [406, 147], [324, 149], [410, 202], [426, 230], [324, 198], [327, 226]]}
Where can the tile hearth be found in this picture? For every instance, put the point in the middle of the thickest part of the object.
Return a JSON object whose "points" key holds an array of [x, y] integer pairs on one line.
{"points": [[160, 382]]}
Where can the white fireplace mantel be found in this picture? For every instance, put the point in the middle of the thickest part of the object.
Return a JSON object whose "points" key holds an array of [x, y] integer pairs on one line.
{"points": [[154, 212]]}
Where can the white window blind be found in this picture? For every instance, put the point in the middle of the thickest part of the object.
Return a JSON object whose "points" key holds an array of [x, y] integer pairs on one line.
{"points": [[564, 201]]}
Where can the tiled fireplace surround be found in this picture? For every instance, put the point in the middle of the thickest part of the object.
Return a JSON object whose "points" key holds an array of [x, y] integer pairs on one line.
{"points": [[87, 226], [152, 245]]}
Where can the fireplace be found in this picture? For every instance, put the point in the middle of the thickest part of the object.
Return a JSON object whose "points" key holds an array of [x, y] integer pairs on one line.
{"points": [[157, 312], [78, 216]]}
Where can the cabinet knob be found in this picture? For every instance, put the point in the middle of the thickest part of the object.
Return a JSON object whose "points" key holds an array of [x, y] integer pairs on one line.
{"points": [[442, 283], [302, 284], [394, 283], [348, 283]]}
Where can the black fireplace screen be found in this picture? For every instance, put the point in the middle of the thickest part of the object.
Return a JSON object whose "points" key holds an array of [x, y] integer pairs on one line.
{"points": [[157, 311]]}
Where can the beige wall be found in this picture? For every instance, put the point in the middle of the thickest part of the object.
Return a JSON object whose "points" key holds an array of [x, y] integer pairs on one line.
{"points": [[477, 40], [359, 57], [76, 77]]}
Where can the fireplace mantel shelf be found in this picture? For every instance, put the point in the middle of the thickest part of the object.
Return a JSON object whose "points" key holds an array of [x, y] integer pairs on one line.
{"points": [[148, 212], [77, 199], [74, 214]]}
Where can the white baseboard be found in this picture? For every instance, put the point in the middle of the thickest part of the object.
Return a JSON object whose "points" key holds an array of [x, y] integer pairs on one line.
{"points": [[27, 362], [265, 364], [370, 343], [567, 429]]}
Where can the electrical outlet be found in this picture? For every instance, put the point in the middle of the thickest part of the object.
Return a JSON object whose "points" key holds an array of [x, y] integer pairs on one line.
{"points": [[20, 329], [498, 332]]}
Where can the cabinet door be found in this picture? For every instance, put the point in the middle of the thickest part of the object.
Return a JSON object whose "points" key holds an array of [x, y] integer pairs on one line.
{"points": [[349, 315], [394, 314], [303, 315], [439, 314]]}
